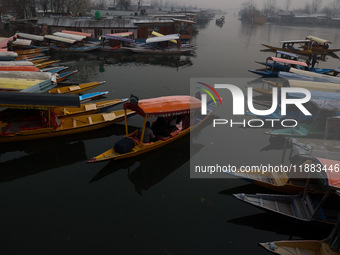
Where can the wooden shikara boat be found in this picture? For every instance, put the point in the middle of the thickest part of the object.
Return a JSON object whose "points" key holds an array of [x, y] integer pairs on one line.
{"points": [[41, 123], [308, 247], [30, 51], [46, 63], [325, 108], [36, 59], [64, 76], [306, 45], [114, 42], [23, 81], [169, 106], [76, 33], [16, 63], [91, 96], [76, 89], [288, 182], [149, 48], [19, 68], [157, 51], [310, 85], [305, 206], [272, 70], [318, 76], [328, 246], [88, 108], [79, 49], [8, 56], [56, 69]]}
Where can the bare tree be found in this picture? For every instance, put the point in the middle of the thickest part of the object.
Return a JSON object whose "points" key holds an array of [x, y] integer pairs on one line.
{"points": [[124, 5], [308, 8], [43, 4], [316, 5], [270, 7], [287, 4]]}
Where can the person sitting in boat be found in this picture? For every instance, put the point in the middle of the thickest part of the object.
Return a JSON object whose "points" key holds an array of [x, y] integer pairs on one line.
{"points": [[160, 127], [148, 134], [173, 122], [291, 47], [314, 61]]}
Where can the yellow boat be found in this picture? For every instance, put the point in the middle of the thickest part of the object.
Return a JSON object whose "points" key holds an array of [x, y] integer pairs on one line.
{"points": [[23, 80], [28, 52], [32, 57], [169, 107], [37, 119], [159, 34], [328, 246], [45, 64], [308, 247], [88, 108], [75, 89], [288, 182]]}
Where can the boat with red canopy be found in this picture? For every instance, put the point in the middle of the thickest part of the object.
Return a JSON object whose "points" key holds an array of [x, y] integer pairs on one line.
{"points": [[180, 109]]}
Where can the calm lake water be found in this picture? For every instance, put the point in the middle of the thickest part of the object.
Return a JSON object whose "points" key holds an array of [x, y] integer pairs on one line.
{"points": [[53, 202]]}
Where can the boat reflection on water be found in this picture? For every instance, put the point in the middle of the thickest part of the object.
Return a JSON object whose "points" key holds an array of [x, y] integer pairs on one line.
{"points": [[96, 59], [32, 157], [142, 171], [272, 223], [38, 145], [146, 175], [49, 157]]}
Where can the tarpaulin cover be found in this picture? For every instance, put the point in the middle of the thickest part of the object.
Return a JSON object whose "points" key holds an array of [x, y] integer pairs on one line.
{"points": [[332, 170], [60, 39], [165, 106], [37, 100], [163, 38], [76, 33], [316, 95], [316, 148], [287, 61], [118, 38], [326, 104], [317, 39]]}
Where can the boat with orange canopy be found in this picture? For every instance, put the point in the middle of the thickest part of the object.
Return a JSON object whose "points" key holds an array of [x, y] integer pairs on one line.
{"points": [[183, 109]]}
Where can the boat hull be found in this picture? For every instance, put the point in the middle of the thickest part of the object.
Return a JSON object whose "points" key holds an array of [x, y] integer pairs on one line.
{"points": [[69, 126]]}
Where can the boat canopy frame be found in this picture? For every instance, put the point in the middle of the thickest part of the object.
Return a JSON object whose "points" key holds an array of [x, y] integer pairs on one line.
{"points": [[160, 107]]}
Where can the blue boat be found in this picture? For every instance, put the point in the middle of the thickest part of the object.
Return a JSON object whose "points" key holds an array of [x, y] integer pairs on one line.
{"points": [[90, 96], [278, 64]]}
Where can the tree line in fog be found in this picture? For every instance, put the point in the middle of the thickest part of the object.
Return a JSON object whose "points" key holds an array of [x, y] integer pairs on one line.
{"points": [[24, 9], [271, 7]]}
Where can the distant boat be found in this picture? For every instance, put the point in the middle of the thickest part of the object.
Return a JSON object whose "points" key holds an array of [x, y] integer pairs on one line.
{"points": [[116, 42], [152, 46]]}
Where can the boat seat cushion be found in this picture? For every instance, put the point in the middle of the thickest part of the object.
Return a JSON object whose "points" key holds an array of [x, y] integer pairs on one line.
{"points": [[124, 145]]}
